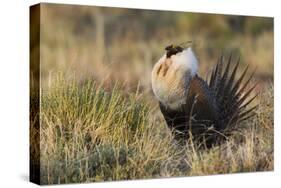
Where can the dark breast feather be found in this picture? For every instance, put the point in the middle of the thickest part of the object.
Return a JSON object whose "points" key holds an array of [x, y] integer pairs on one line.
{"points": [[197, 115]]}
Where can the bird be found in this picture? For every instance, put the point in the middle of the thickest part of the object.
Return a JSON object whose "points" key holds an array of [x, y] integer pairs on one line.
{"points": [[204, 110]]}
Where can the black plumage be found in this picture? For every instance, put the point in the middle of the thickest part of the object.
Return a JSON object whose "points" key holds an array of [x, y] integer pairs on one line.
{"points": [[214, 106], [172, 50]]}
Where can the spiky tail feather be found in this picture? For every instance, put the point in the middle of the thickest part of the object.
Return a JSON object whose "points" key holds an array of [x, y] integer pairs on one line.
{"points": [[214, 107], [233, 97]]}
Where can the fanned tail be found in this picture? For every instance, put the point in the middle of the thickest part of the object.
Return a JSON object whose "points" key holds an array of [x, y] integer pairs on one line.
{"points": [[233, 96]]}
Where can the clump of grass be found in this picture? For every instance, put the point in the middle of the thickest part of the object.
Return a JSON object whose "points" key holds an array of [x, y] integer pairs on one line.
{"points": [[91, 134]]}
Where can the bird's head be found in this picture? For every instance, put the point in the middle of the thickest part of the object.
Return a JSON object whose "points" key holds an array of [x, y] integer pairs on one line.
{"points": [[171, 75]]}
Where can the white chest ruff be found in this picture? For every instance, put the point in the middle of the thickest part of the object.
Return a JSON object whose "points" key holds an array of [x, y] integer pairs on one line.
{"points": [[171, 95], [171, 77]]}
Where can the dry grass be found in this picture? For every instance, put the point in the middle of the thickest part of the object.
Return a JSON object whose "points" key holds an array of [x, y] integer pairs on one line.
{"points": [[90, 134]]}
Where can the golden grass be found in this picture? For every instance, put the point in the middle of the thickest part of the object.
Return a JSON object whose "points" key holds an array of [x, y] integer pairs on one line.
{"points": [[91, 134]]}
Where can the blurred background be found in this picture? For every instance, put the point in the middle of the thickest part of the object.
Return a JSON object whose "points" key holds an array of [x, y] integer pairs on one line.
{"points": [[118, 44]]}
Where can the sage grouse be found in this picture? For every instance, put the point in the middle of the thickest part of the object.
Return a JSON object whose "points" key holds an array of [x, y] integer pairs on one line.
{"points": [[206, 110]]}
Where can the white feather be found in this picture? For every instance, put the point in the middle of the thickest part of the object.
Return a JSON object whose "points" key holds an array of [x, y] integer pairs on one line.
{"points": [[186, 60], [172, 88]]}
